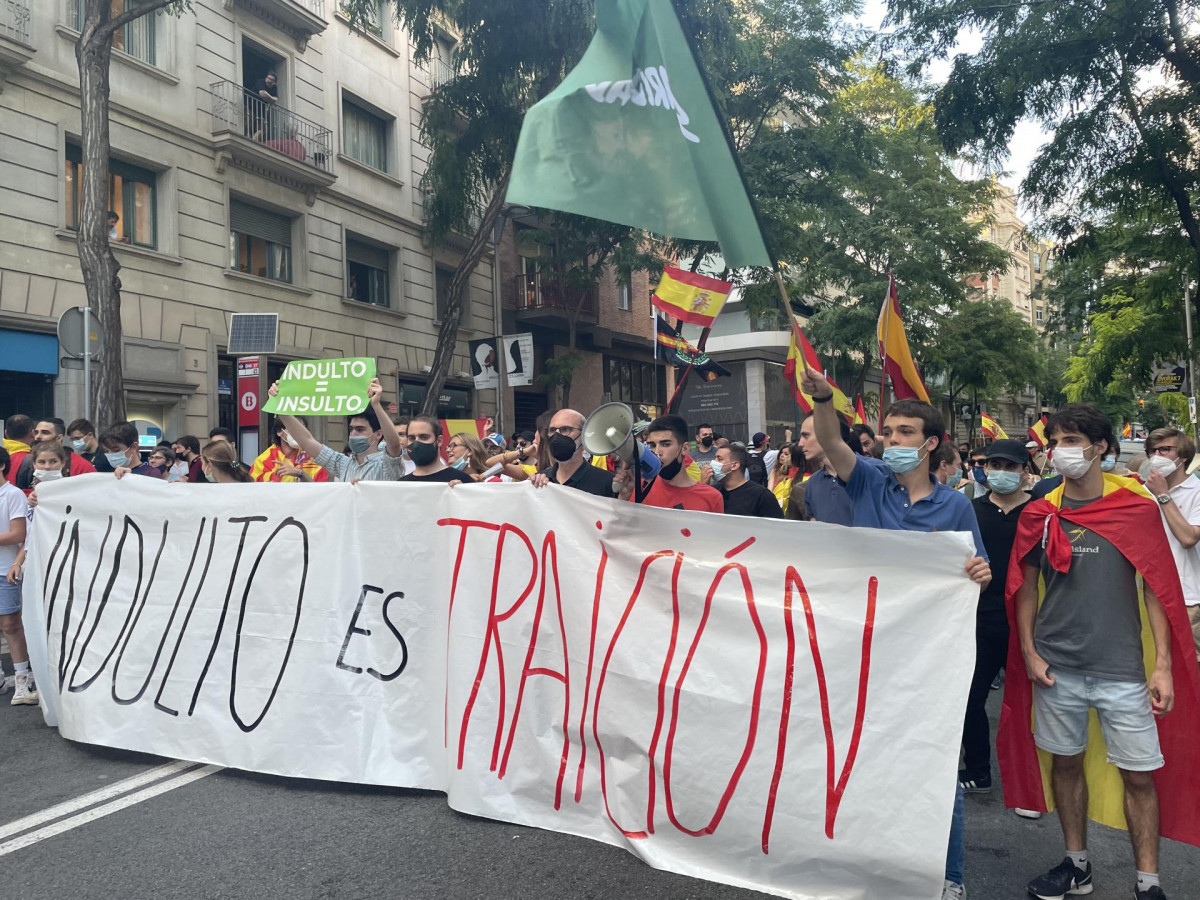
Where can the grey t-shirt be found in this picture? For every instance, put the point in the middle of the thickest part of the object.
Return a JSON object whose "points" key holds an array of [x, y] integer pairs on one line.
{"points": [[702, 456], [1089, 622]]}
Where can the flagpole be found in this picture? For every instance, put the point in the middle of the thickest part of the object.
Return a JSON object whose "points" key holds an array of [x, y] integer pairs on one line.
{"points": [[883, 376]]}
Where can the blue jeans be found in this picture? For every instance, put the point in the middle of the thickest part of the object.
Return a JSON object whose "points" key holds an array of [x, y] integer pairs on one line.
{"points": [[956, 852]]}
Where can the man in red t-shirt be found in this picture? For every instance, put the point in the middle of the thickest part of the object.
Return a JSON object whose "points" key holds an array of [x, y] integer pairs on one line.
{"points": [[673, 488]]}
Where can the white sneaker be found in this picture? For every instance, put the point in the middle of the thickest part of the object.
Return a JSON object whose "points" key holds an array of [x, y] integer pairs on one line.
{"points": [[26, 693], [6, 683], [1027, 813], [953, 891]]}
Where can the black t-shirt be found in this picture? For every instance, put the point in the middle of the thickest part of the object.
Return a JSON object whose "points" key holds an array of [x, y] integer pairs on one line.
{"points": [[261, 85], [98, 460], [441, 476], [751, 499], [999, 531], [587, 478]]}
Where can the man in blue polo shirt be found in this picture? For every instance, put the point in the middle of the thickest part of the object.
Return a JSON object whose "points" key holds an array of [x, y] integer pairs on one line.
{"points": [[901, 493]]}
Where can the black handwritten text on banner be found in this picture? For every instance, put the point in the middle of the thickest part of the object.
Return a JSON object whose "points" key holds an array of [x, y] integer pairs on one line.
{"points": [[760, 703]]}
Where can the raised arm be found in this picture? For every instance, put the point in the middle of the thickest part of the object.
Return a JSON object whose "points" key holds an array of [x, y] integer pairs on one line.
{"points": [[296, 429], [825, 424], [391, 437]]}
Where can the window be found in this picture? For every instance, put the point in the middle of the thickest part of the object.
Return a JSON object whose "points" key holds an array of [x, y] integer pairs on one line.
{"points": [[623, 295], [260, 242], [364, 136], [441, 291], [136, 38], [1037, 262], [367, 269], [131, 196], [1039, 315], [631, 381]]}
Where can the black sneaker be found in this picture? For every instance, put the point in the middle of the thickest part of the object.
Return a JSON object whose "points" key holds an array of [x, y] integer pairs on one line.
{"points": [[1154, 893], [1063, 880], [972, 785]]}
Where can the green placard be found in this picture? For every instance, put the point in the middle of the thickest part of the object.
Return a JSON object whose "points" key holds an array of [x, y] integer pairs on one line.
{"points": [[323, 387]]}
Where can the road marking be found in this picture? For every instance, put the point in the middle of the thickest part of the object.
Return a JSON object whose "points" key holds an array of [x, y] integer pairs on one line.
{"points": [[106, 809], [91, 799]]}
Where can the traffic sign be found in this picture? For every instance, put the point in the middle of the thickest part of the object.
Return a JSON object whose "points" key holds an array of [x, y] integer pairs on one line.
{"points": [[70, 333]]}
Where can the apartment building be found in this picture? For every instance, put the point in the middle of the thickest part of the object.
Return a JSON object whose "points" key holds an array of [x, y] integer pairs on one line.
{"points": [[309, 207]]}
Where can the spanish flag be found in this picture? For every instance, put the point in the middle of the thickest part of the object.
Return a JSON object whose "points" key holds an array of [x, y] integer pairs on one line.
{"points": [[860, 414], [1126, 431], [894, 355], [1038, 431], [1126, 516], [690, 297], [451, 427], [800, 353], [991, 427]]}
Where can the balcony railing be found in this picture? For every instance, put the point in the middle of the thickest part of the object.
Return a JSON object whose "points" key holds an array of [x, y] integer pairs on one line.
{"points": [[14, 20], [536, 292], [317, 7], [440, 71], [243, 112]]}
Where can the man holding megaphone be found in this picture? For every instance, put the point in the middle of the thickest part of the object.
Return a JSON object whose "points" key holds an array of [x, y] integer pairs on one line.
{"points": [[570, 470], [667, 438]]}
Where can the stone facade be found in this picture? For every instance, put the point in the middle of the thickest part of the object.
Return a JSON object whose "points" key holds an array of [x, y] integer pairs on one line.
{"points": [[181, 286]]}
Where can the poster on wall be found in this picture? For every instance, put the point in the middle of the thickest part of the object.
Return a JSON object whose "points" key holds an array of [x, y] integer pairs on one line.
{"points": [[518, 353]]}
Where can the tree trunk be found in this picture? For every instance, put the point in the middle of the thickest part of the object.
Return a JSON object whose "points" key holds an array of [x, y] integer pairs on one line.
{"points": [[447, 340], [93, 53]]}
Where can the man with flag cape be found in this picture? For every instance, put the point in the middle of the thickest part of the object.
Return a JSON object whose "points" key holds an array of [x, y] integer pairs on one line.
{"points": [[1093, 644]]}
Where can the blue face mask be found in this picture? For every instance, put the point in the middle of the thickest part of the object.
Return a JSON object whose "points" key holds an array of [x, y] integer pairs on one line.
{"points": [[460, 463], [1108, 464], [80, 445], [718, 469], [902, 459], [359, 443], [1004, 482], [954, 479], [117, 459], [979, 473]]}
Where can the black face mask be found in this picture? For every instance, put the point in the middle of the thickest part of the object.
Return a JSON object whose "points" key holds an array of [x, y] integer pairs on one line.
{"points": [[705, 442], [422, 454], [671, 469], [562, 448]]}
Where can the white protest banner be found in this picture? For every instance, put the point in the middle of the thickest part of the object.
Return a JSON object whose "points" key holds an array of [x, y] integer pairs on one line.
{"points": [[762, 703], [323, 387]]}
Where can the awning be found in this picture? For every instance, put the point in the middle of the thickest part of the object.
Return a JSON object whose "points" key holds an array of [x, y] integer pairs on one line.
{"points": [[25, 351]]}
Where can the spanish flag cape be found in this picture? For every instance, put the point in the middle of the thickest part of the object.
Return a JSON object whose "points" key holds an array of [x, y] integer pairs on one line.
{"points": [[1127, 516]]}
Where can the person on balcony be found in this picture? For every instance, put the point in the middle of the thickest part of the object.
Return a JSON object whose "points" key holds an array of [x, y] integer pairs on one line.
{"points": [[265, 94]]}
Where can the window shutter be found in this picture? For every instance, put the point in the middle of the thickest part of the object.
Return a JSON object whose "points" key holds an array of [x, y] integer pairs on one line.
{"points": [[247, 219], [366, 255]]}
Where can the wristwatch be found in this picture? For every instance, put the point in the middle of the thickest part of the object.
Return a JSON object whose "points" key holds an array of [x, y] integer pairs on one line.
{"points": [[1163, 499]]}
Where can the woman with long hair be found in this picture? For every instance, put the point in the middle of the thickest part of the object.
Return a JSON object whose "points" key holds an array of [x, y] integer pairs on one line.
{"points": [[221, 465], [465, 452], [783, 475]]}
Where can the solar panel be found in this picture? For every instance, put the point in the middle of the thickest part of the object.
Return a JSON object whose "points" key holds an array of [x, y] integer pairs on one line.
{"points": [[253, 333]]}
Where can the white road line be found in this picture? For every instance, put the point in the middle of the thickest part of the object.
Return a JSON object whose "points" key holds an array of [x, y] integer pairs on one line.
{"points": [[99, 812], [90, 799]]}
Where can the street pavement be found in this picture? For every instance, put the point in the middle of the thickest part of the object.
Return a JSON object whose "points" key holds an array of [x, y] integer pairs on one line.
{"points": [[233, 834]]}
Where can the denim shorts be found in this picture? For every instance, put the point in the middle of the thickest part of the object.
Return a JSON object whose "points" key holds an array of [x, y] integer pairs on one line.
{"points": [[10, 597], [1123, 708]]}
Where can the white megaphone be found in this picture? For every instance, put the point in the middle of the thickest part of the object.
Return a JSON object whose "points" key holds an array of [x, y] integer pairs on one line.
{"points": [[609, 432]]}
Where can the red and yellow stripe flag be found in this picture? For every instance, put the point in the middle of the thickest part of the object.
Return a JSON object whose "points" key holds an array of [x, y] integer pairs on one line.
{"points": [[1126, 431], [451, 427], [893, 350], [1038, 431], [800, 353], [690, 297], [860, 414], [991, 427]]}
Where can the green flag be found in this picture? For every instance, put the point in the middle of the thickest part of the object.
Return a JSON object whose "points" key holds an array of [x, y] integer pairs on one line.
{"points": [[323, 387], [630, 136]]}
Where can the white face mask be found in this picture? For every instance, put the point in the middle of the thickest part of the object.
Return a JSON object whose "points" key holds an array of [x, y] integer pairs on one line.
{"points": [[1160, 464], [47, 474], [1071, 463], [291, 441]]}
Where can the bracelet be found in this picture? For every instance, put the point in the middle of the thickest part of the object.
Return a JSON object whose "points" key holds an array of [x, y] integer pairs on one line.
{"points": [[825, 399]]}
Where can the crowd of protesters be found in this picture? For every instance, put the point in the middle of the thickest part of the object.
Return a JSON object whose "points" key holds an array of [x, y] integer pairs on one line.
{"points": [[908, 477]]}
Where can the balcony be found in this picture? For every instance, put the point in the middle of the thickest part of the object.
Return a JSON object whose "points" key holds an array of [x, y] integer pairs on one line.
{"points": [[539, 303], [299, 19], [270, 140], [440, 71], [16, 48]]}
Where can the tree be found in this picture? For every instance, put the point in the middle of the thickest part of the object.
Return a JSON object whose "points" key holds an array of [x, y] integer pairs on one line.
{"points": [[1117, 83], [985, 348], [873, 192], [93, 54], [510, 54]]}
